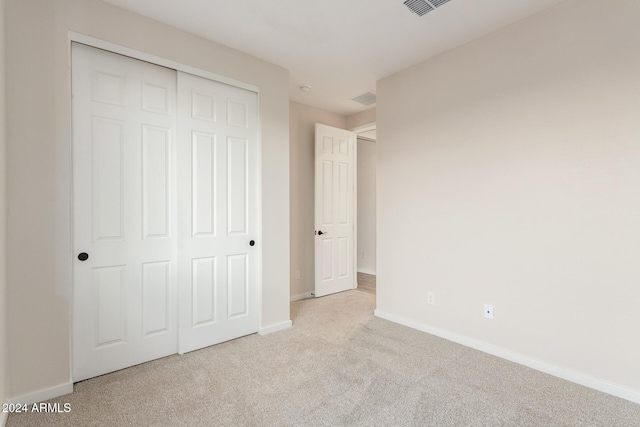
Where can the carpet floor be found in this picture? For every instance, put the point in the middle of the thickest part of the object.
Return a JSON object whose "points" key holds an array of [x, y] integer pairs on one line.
{"points": [[337, 366]]}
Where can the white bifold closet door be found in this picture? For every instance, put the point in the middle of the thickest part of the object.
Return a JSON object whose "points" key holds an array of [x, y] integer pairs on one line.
{"points": [[164, 209]]}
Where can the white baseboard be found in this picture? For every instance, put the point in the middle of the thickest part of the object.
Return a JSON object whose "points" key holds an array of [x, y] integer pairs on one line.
{"points": [[521, 359], [275, 328], [301, 296], [367, 271], [3, 418], [44, 394]]}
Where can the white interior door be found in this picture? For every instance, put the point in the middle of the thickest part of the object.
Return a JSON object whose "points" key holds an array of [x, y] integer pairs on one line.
{"points": [[219, 245], [124, 293], [165, 228], [335, 210]]}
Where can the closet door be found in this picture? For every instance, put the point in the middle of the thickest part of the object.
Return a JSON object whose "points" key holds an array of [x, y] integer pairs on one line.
{"points": [[124, 212], [218, 198]]}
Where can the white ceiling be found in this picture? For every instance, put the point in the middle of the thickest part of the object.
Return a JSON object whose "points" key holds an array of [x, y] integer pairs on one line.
{"points": [[338, 47]]}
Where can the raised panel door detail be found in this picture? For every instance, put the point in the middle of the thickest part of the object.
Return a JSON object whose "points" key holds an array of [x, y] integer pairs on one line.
{"points": [[155, 297], [237, 114], [204, 290], [110, 306], [217, 181], [237, 190], [237, 285], [203, 162], [203, 106], [155, 179], [334, 199], [327, 259], [327, 144], [327, 192], [343, 193], [124, 211], [108, 214], [155, 98], [108, 88], [344, 147], [343, 257]]}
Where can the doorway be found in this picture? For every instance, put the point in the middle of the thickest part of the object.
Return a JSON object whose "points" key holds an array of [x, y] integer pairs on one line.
{"points": [[366, 263]]}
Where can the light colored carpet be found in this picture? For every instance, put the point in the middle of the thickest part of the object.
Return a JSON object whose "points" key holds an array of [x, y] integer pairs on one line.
{"points": [[338, 366]]}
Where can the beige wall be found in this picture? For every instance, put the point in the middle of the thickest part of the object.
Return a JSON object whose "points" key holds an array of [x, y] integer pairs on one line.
{"points": [[509, 173], [39, 178], [366, 206], [302, 120], [362, 118], [3, 219]]}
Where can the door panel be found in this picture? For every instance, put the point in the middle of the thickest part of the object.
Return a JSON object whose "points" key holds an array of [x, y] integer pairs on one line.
{"points": [[237, 284], [110, 318], [217, 157], [124, 294], [155, 181], [237, 151], [156, 291], [204, 183], [327, 193], [140, 233], [334, 210], [107, 143], [327, 259], [204, 276]]}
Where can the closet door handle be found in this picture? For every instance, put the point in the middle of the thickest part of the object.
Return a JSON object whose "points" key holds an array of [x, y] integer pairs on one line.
{"points": [[252, 242], [83, 256]]}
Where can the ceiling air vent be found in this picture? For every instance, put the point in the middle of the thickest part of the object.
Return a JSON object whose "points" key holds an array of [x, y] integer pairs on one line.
{"points": [[419, 7], [422, 7], [368, 98]]}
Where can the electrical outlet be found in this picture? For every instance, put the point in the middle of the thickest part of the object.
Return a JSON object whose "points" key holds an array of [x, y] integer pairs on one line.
{"points": [[364, 255], [297, 274], [488, 311], [431, 298]]}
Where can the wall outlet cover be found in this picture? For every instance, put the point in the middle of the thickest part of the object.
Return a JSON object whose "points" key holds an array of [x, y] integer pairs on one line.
{"points": [[488, 311]]}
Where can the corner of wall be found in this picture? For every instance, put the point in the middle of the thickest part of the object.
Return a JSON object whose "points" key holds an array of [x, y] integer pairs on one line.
{"points": [[275, 328], [362, 118], [3, 283]]}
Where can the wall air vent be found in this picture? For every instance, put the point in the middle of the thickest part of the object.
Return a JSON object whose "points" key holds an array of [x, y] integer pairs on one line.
{"points": [[368, 98], [422, 7]]}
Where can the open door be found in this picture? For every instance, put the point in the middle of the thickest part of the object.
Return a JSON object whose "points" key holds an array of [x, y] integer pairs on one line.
{"points": [[335, 210]]}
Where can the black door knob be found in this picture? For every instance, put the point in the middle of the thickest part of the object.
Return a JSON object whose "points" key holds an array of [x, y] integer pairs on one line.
{"points": [[83, 256], [252, 242], [320, 233]]}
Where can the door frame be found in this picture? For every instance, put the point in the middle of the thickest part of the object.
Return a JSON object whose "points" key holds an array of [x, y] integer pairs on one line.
{"points": [[72, 37], [364, 128], [147, 57], [357, 130]]}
